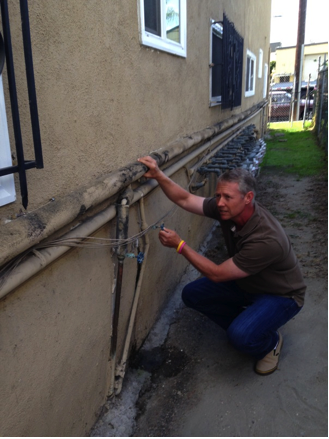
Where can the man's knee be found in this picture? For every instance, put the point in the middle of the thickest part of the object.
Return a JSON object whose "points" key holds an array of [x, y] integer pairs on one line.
{"points": [[238, 337]]}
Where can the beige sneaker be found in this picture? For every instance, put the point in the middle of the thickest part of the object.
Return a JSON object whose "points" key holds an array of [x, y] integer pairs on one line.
{"points": [[270, 362]]}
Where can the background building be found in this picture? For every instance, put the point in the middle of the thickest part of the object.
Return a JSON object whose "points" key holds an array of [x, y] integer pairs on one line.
{"points": [[314, 56]]}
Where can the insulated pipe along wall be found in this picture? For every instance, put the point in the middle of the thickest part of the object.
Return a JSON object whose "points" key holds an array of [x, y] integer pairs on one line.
{"points": [[27, 231], [45, 257]]}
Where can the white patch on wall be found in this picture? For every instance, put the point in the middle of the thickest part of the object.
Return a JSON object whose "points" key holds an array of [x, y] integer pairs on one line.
{"points": [[7, 184], [260, 63], [265, 80]]}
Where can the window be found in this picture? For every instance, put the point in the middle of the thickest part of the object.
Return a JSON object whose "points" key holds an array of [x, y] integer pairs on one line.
{"points": [[7, 185], [250, 74], [284, 78], [216, 63], [6, 56], [163, 25]]}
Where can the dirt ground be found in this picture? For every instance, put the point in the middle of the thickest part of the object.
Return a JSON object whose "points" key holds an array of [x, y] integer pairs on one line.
{"points": [[196, 385]]}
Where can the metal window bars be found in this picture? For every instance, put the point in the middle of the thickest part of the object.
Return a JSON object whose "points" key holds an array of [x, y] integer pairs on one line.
{"points": [[233, 65], [22, 164]]}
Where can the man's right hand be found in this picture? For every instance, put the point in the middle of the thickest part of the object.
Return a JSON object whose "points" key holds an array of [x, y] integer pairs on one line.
{"points": [[152, 164], [175, 193]]}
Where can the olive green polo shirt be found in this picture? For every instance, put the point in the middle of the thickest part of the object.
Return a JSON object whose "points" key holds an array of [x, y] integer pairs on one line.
{"points": [[263, 250]]}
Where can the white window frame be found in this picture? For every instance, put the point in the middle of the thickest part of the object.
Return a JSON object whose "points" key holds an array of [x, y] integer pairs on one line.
{"points": [[265, 80], [162, 42], [213, 100], [7, 182], [260, 64], [250, 81]]}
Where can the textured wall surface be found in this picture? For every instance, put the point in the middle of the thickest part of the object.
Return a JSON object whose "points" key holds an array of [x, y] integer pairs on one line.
{"points": [[103, 98]]}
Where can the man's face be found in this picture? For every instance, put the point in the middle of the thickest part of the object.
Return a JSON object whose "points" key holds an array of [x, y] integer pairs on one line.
{"points": [[230, 202]]}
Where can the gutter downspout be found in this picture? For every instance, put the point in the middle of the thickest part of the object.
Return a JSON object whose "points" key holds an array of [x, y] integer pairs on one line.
{"points": [[44, 257]]}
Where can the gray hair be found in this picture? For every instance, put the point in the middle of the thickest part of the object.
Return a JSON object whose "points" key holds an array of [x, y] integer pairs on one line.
{"points": [[245, 180]]}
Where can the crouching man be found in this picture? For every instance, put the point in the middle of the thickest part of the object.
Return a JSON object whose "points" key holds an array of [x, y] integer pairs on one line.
{"points": [[260, 286]]}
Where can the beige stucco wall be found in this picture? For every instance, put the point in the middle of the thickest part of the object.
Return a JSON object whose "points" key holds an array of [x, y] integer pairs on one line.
{"points": [[103, 101], [54, 347]]}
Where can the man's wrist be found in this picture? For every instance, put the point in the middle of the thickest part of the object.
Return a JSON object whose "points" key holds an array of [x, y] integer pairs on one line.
{"points": [[180, 246], [160, 176]]}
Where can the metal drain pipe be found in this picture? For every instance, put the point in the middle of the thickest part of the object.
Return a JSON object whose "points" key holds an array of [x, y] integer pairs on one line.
{"points": [[122, 234], [120, 369]]}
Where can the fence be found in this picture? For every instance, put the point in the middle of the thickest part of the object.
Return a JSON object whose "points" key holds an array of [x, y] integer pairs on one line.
{"points": [[321, 108], [282, 103]]}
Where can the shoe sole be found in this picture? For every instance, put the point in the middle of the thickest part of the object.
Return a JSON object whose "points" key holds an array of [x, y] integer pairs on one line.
{"points": [[267, 372]]}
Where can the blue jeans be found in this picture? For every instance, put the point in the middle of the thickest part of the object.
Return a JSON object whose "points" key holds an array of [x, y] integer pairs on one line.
{"points": [[250, 320]]}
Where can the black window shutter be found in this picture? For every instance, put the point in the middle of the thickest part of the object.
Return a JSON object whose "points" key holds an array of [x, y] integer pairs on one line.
{"points": [[232, 66]]}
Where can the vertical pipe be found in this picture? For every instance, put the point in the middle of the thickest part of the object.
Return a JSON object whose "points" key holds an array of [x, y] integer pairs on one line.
{"points": [[121, 368], [316, 102], [115, 322], [321, 100], [305, 106], [292, 104], [122, 234], [300, 43], [300, 80]]}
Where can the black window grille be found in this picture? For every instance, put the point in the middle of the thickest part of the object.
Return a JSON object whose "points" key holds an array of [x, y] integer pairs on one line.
{"points": [[232, 65], [22, 164], [284, 78]]}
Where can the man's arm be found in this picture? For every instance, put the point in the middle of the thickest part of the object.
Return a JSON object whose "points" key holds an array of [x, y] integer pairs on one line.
{"points": [[216, 273], [175, 193]]}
